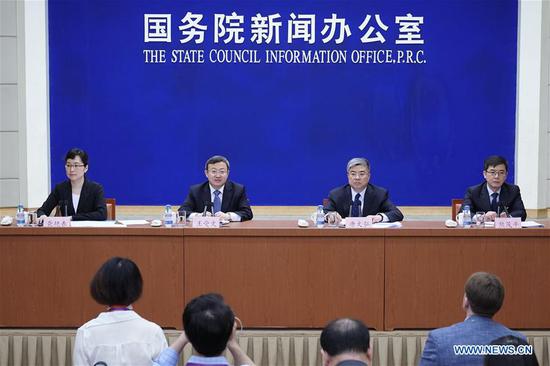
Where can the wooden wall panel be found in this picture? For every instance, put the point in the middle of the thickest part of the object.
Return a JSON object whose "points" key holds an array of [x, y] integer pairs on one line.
{"points": [[298, 282], [44, 280]]}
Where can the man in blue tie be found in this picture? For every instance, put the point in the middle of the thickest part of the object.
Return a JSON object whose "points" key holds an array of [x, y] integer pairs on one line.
{"points": [[495, 197], [225, 198], [360, 198]]}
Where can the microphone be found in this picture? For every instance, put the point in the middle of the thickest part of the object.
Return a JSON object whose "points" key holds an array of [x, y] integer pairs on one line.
{"points": [[504, 208], [207, 207], [63, 207]]}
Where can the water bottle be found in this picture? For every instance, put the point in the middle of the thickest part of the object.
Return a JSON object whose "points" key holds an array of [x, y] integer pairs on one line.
{"points": [[320, 217], [20, 216], [467, 220], [168, 216]]}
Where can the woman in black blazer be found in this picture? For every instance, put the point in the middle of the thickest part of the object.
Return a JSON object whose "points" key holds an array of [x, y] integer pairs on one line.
{"points": [[77, 197]]}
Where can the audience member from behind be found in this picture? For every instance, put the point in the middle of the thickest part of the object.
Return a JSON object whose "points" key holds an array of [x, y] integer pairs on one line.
{"points": [[345, 342], [118, 336], [518, 345], [78, 196], [495, 197], [483, 298], [209, 325]]}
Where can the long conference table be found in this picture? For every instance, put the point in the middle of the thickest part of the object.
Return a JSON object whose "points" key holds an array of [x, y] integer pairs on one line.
{"points": [[276, 275]]}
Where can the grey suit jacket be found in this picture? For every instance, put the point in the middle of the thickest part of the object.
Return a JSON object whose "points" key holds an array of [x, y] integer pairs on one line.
{"points": [[476, 330]]}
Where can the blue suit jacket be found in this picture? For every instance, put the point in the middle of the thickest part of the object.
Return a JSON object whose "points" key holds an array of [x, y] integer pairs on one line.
{"points": [[476, 330], [234, 199], [477, 197]]}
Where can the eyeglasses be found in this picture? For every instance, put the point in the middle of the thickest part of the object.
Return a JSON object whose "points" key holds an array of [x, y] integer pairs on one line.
{"points": [[496, 173], [360, 174], [74, 166], [216, 172]]}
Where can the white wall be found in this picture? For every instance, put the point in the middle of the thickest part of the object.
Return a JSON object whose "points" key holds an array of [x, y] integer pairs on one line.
{"points": [[34, 91], [9, 98], [24, 134], [533, 104]]}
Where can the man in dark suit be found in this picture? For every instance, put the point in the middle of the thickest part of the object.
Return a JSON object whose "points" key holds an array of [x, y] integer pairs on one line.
{"points": [[227, 199], [495, 197], [360, 198], [345, 342], [483, 298]]}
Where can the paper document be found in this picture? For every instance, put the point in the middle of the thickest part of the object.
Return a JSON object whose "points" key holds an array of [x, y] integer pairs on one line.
{"points": [[134, 222], [96, 224], [531, 224], [385, 225]]}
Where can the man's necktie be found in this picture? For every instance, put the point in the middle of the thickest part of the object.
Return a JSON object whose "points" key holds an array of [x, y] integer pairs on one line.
{"points": [[356, 207], [217, 201], [494, 202]]}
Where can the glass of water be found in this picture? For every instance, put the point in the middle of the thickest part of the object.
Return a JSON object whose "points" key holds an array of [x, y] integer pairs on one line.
{"points": [[480, 218]]}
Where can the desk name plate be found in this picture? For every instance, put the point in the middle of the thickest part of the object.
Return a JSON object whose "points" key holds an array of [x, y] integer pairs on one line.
{"points": [[57, 221], [508, 223], [358, 222], [207, 222]]}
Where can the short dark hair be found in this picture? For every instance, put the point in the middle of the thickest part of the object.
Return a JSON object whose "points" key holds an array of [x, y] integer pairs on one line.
{"points": [[216, 159], [117, 282], [74, 152], [208, 324], [345, 335], [510, 360], [494, 160], [485, 293]]}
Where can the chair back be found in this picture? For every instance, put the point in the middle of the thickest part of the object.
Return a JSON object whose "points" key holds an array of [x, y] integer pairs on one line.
{"points": [[456, 203], [111, 208]]}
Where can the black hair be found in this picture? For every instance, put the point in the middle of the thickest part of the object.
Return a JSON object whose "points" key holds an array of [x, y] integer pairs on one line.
{"points": [[494, 160], [216, 159], [117, 282], [345, 335], [74, 152], [208, 324]]}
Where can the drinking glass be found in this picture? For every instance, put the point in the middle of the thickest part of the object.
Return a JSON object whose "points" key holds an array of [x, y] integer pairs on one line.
{"points": [[181, 218], [480, 218]]}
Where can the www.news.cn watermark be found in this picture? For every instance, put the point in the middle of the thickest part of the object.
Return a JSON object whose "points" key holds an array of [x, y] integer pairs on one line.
{"points": [[497, 349]]}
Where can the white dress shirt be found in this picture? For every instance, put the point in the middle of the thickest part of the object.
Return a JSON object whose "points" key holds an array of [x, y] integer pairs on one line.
{"points": [[362, 199], [491, 192], [118, 338], [233, 215], [76, 198]]}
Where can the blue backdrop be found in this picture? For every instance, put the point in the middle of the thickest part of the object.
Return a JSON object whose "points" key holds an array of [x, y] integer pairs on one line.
{"points": [[288, 129]]}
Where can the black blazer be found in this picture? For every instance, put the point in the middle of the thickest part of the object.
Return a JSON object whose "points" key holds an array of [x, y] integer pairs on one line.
{"points": [[477, 197], [91, 205], [376, 201], [234, 199]]}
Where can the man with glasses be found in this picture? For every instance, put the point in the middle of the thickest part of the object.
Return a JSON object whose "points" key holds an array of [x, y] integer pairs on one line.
{"points": [[495, 197], [360, 198], [226, 199]]}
